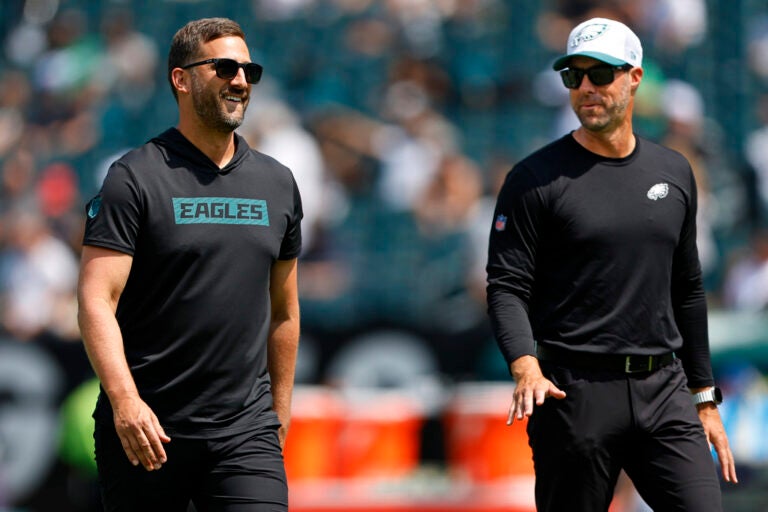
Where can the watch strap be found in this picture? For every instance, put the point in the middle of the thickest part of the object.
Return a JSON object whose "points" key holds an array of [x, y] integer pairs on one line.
{"points": [[709, 395]]}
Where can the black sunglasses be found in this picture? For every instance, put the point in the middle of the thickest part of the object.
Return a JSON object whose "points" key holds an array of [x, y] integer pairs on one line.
{"points": [[598, 75], [227, 69]]}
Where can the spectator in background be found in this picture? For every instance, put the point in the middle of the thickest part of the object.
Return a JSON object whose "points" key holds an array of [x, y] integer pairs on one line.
{"points": [[38, 273], [18, 179], [63, 120], [449, 199], [15, 96], [274, 128], [676, 25], [129, 60], [481, 218], [412, 146], [756, 151], [746, 281], [57, 190], [684, 110], [445, 215], [39, 264]]}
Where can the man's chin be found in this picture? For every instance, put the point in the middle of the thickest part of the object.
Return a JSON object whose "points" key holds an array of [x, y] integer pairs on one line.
{"points": [[227, 124], [232, 120], [593, 123]]}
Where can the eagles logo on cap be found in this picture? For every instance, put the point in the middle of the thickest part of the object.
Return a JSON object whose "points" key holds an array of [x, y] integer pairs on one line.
{"points": [[605, 40], [588, 33]]}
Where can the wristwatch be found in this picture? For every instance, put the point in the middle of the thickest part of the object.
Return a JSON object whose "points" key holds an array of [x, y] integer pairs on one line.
{"points": [[713, 395]]}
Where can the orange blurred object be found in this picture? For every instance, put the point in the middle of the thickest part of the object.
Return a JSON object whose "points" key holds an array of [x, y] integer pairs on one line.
{"points": [[310, 450], [380, 436], [480, 445], [368, 434]]}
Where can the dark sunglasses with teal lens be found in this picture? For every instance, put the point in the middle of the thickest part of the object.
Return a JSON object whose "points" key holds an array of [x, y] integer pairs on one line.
{"points": [[227, 69], [598, 75]]}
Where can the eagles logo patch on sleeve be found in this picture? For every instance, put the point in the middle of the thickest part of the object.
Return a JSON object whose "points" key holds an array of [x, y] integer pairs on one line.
{"points": [[93, 207]]}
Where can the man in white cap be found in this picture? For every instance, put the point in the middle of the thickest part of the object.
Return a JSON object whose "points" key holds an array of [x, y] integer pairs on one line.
{"points": [[597, 303]]}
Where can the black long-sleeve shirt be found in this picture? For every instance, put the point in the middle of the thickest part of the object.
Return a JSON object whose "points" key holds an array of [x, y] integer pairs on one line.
{"points": [[598, 255]]}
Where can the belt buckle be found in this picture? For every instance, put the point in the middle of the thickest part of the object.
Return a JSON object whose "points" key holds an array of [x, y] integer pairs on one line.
{"points": [[628, 367]]}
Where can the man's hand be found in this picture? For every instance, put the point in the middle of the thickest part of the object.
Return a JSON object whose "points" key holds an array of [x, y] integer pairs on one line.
{"points": [[282, 432], [715, 432], [531, 388], [140, 433]]}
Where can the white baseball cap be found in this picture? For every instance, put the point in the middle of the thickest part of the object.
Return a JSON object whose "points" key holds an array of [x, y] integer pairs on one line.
{"points": [[605, 40]]}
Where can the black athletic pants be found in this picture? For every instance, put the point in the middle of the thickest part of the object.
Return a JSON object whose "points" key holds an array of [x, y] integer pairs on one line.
{"points": [[644, 423], [239, 473]]}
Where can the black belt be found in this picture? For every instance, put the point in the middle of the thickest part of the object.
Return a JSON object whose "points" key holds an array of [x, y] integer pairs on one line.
{"points": [[612, 362]]}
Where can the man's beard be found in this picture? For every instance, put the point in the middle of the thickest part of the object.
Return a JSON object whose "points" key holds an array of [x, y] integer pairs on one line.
{"points": [[612, 115], [209, 107], [595, 123]]}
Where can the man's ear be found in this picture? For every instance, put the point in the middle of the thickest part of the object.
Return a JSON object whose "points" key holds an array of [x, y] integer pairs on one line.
{"points": [[636, 76], [180, 80]]}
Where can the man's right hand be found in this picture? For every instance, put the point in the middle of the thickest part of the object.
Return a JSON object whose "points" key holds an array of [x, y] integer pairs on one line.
{"points": [[531, 387], [140, 433]]}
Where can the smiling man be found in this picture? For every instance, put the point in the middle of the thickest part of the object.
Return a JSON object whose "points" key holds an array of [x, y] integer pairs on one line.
{"points": [[188, 302], [597, 303]]}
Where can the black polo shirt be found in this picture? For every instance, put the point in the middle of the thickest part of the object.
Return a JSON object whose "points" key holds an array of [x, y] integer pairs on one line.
{"points": [[195, 310]]}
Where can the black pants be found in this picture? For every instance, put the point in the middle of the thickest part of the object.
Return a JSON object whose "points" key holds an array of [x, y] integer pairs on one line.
{"points": [[644, 423], [240, 473]]}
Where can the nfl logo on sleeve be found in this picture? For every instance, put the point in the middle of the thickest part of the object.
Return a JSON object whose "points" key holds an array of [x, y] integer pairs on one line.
{"points": [[501, 222]]}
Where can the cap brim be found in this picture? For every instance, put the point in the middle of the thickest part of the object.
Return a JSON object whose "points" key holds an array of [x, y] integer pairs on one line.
{"points": [[562, 62]]}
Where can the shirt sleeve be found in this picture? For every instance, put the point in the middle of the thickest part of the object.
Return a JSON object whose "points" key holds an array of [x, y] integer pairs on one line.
{"points": [[511, 265], [113, 217], [291, 246], [689, 301]]}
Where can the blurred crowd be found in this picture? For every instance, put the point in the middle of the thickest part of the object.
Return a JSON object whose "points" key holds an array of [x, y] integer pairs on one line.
{"points": [[399, 118]]}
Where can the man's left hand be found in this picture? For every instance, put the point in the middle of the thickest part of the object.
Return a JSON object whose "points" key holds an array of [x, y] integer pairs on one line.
{"points": [[715, 432]]}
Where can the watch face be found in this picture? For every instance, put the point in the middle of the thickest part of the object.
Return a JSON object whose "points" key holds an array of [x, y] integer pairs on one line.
{"points": [[718, 396]]}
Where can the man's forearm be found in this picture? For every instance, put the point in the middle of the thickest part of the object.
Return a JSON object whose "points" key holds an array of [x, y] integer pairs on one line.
{"points": [[104, 346], [511, 325], [283, 347]]}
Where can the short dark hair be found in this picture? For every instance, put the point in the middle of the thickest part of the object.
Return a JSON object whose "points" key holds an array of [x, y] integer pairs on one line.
{"points": [[187, 41]]}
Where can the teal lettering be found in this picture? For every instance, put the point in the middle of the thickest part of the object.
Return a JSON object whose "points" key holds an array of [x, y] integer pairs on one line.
{"points": [[186, 210], [202, 210], [220, 210]]}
